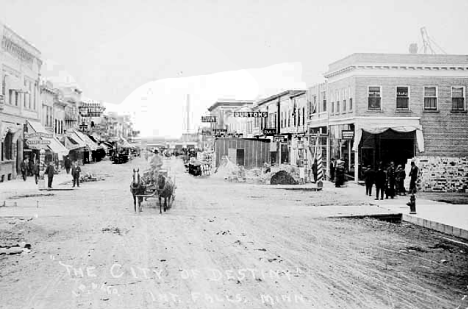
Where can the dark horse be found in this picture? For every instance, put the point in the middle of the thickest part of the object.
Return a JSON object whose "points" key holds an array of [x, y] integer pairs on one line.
{"points": [[166, 191], [137, 188]]}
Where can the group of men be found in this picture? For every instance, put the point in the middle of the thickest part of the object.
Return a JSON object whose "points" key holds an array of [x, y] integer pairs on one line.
{"points": [[390, 181], [50, 171]]}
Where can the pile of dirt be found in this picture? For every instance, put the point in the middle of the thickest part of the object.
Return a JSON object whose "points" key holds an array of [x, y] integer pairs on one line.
{"points": [[226, 169], [283, 178], [90, 177]]}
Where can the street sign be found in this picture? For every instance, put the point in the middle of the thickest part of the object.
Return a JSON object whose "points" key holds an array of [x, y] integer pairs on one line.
{"points": [[269, 132], [38, 134], [208, 118], [347, 134], [251, 114]]}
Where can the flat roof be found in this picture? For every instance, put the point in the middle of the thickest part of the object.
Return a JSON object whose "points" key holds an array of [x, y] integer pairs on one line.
{"points": [[292, 93], [229, 103], [396, 59]]}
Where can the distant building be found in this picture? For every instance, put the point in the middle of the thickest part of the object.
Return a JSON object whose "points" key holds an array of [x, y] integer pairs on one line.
{"points": [[223, 109]]}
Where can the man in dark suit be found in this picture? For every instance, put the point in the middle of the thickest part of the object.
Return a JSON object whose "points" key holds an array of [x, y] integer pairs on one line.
{"points": [[36, 170], [24, 168], [76, 170], [50, 171]]}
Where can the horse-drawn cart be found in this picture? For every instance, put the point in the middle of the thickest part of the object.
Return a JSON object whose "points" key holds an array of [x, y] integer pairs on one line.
{"points": [[153, 184]]}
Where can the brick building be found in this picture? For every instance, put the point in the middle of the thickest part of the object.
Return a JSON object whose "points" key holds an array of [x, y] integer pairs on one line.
{"points": [[394, 107]]}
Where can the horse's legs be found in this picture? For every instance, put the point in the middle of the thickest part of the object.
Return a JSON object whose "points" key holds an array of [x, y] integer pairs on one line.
{"points": [[160, 205], [165, 204], [134, 202]]}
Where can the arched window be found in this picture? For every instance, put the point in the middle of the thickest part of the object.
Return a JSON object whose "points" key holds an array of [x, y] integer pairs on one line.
{"points": [[8, 144]]}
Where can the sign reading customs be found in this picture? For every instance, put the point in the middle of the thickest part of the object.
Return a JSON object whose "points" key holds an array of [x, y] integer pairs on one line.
{"points": [[38, 134], [347, 134], [208, 118], [251, 114]]}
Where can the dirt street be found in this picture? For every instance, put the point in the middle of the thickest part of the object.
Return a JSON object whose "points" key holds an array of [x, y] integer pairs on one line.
{"points": [[221, 245]]}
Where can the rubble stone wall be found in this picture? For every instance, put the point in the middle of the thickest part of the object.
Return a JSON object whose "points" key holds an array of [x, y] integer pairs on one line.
{"points": [[441, 174]]}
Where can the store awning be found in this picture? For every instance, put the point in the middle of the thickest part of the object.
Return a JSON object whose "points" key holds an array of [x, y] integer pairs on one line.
{"points": [[88, 142], [377, 125], [55, 145]]}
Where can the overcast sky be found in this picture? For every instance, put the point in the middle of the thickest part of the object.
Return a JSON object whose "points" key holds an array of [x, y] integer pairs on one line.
{"points": [[114, 48]]}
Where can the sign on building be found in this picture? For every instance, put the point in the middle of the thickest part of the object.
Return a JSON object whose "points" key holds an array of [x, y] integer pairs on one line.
{"points": [[251, 114], [347, 134], [38, 134], [208, 118], [269, 132], [280, 138]]}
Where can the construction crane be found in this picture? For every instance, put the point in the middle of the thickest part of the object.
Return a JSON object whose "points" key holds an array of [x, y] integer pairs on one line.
{"points": [[427, 43]]}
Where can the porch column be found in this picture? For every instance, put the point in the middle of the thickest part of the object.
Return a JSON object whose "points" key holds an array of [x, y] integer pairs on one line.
{"points": [[327, 168], [356, 165]]}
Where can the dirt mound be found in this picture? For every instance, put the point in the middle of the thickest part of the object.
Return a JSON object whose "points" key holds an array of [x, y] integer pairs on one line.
{"points": [[226, 169], [283, 178]]}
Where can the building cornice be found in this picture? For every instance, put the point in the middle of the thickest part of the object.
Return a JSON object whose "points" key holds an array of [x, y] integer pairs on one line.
{"points": [[401, 67]]}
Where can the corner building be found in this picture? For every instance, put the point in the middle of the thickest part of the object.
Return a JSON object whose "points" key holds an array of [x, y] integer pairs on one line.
{"points": [[395, 107]]}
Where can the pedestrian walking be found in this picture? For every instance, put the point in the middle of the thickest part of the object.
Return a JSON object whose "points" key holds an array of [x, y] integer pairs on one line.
{"points": [[332, 169], [30, 167], [390, 190], [369, 177], [36, 170], [68, 164], [76, 170], [413, 177], [50, 171], [400, 176], [24, 168], [380, 179]]}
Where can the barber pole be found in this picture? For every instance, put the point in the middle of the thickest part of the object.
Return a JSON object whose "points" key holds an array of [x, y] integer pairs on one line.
{"points": [[318, 156]]}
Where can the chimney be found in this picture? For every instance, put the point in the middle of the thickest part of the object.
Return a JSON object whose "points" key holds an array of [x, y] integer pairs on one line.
{"points": [[413, 48]]}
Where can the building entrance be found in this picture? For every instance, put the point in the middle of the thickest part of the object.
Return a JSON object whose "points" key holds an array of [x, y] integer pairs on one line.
{"points": [[386, 147]]}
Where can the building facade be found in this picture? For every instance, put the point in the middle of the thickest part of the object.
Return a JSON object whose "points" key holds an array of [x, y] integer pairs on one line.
{"points": [[395, 107], [20, 65]]}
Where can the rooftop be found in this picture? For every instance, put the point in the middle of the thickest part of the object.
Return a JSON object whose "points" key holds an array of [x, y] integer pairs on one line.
{"points": [[229, 103], [397, 59], [291, 93]]}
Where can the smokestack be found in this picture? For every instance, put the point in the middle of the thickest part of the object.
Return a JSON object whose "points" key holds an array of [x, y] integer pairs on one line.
{"points": [[413, 48]]}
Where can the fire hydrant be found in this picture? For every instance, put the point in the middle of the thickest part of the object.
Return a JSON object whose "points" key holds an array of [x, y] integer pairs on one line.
{"points": [[412, 204]]}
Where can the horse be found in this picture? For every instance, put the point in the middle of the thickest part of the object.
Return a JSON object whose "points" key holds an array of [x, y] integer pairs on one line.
{"points": [[165, 190], [137, 188]]}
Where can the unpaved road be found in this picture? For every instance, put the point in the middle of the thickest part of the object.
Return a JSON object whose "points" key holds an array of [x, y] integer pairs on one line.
{"points": [[222, 245]]}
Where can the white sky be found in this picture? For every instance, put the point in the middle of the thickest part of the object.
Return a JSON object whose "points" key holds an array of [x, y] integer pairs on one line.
{"points": [[113, 48]]}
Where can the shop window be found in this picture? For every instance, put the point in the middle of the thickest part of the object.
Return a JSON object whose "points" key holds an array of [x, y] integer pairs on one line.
{"points": [[458, 99], [430, 98], [402, 98], [374, 97]]}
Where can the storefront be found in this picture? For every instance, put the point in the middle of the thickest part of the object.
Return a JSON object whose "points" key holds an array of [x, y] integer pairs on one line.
{"points": [[11, 150], [36, 138], [381, 140]]}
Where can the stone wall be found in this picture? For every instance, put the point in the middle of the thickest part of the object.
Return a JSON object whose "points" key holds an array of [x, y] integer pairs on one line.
{"points": [[440, 174]]}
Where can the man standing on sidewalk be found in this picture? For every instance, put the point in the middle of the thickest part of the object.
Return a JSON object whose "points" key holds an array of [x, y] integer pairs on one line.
{"points": [[369, 176], [76, 170], [36, 170], [67, 164], [50, 171], [380, 179], [24, 168], [413, 177]]}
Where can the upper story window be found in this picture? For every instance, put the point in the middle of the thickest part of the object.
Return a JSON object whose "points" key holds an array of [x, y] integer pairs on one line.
{"points": [[324, 101], [430, 98], [402, 97], [350, 104], [374, 97], [458, 98], [337, 106], [344, 106], [332, 107]]}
